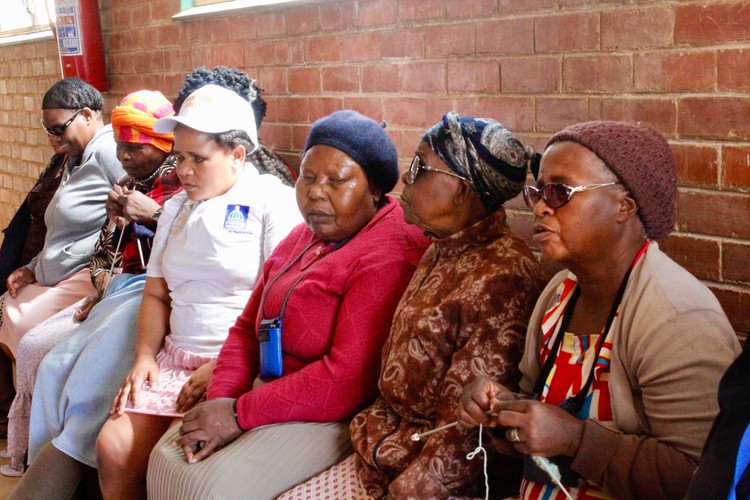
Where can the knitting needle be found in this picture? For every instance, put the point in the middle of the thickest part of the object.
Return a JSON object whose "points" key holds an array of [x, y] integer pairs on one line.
{"points": [[114, 258], [418, 437], [140, 251]]}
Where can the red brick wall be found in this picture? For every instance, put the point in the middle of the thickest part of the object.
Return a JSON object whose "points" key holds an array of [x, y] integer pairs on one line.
{"points": [[535, 65], [26, 71]]}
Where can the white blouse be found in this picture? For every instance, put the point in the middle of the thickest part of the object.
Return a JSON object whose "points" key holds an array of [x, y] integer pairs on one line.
{"points": [[211, 253]]}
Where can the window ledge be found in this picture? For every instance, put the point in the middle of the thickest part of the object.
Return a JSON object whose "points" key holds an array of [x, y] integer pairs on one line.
{"points": [[26, 37], [204, 10]]}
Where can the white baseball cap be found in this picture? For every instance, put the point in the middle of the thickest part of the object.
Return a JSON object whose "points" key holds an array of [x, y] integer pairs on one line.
{"points": [[213, 110]]}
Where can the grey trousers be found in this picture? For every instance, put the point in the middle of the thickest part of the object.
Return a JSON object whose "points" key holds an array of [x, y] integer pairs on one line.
{"points": [[261, 464]]}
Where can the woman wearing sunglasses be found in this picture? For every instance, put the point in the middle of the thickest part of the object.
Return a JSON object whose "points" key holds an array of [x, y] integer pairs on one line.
{"points": [[59, 274], [464, 313], [625, 348]]}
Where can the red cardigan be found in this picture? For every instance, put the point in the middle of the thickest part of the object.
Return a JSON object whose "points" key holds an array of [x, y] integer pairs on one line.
{"points": [[334, 327]]}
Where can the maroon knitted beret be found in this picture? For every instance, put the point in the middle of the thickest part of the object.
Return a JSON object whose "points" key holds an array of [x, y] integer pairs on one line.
{"points": [[641, 158]]}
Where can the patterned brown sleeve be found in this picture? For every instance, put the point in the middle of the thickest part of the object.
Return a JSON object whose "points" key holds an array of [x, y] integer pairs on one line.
{"points": [[101, 261]]}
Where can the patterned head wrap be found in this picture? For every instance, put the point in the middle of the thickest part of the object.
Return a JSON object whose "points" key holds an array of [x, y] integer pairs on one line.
{"points": [[484, 152], [133, 120]]}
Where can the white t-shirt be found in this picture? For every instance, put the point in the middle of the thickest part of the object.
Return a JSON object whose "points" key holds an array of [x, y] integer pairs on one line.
{"points": [[211, 253]]}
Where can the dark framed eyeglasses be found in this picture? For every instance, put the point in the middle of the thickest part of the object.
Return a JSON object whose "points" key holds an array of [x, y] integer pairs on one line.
{"points": [[416, 165], [59, 130], [556, 194]]}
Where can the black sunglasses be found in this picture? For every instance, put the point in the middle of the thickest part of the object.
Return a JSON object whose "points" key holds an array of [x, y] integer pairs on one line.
{"points": [[59, 130], [556, 194]]}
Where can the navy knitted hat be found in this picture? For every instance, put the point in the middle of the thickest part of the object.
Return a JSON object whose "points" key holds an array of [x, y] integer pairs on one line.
{"points": [[364, 140], [641, 158]]}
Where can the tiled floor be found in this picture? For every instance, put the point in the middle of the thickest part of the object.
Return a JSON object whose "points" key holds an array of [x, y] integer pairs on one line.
{"points": [[6, 483]]}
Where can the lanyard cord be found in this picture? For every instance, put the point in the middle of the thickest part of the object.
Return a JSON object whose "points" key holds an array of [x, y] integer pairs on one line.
{"points": [[297, 281], [547, 368]]}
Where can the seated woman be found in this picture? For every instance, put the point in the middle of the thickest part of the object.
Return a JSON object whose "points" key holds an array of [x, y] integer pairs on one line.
{"points": [[23, 239], [471, 294], [625, 348], [303, 357], [58, 275], [724, 469], [145, 156], [265, 160], [210, 244], [24, 236]]}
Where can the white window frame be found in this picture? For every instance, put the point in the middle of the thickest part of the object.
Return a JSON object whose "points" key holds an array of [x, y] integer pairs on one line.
{"points": [[26, 30], [227, 5]]}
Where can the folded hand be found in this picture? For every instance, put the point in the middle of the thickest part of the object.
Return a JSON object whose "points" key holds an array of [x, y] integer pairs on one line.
{"points": [[208, 427]]}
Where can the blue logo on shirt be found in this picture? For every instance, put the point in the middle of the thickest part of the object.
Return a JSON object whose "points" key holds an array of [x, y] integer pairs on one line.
{"points": [[235, 219]]}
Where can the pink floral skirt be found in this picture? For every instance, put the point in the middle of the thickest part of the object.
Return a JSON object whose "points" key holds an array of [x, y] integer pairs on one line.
{"points": [[340, 482], [175, 368]]}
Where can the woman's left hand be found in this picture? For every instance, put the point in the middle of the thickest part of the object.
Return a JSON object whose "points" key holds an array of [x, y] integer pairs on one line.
{"points": [[83, 311], [208, 427], [194, 390], [536, 428]]}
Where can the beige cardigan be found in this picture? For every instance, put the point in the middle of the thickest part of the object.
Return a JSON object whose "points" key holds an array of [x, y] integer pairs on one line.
{"points": [[671, 347]]}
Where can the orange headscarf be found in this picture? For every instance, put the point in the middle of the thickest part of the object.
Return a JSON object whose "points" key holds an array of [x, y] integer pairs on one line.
{"points": [[133, 120]]}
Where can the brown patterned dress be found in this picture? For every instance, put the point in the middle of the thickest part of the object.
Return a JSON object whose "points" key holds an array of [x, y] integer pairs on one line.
{"points": [[464, 314]]}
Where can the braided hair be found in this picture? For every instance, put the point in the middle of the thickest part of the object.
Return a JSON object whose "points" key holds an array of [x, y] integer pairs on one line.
{"points": [[228, 78], [265, 160]]}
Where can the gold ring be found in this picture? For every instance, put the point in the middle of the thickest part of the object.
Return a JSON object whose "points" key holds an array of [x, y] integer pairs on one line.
{"points": [[514, 435]]}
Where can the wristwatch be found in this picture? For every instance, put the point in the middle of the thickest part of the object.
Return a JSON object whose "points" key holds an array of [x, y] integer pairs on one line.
{"points": [[157, 214]]}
